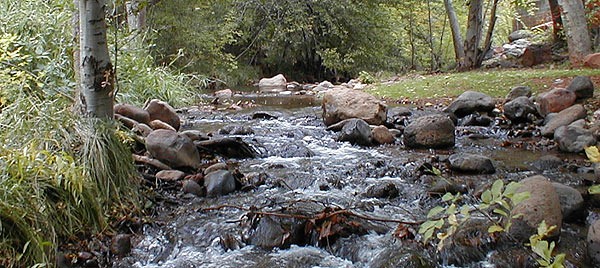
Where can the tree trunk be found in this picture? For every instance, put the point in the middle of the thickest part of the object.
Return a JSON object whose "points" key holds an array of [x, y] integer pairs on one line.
{"points": [[459, 49], [557, 27], [97, 74], [136, 15], [487, 45], [473, 38], [578, 36]]}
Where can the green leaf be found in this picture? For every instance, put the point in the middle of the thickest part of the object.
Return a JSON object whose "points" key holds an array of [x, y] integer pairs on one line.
{"points": [[595, 189], [486, 197], [426, 226], [510, 189], [592, 154], [439, 223], [451, 209], [447, 197], [501, 212], [464, 210], [520, 197], [558, 260], [495, 228], [497, 189], [434, 211], [483, 206], [428, 234]]}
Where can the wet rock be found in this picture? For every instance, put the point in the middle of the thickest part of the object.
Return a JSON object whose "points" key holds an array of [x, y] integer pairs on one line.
{"points": [[236, 130], [325, 85], [126, 121], [397, 132], [120, 245], [381, 190], [547, 162], [172, 148], [582, 86], [592, 61], [518, 109], [142, 129], [469, 243], [356, 131], [270, 233], [593, 240], [294, 86], [573, 139], [563, 118], [469, 102], [519, 91], [164, 112], [157, 124], [277, 83], [253, 179], [402, 255], [402, 111], [519, 34], [556, 100], [543, 205], [513, 257], [228, 147], [293, 148], [264, 115], [476, 120], [432, 131], [215, 167], [570, 199], [133, 112], [340, 104], [170, 175], [195, 135], [382, 135], [443, 185], [339, 125], [220, 182], [192, 187], [471, 163], [224, 94]]}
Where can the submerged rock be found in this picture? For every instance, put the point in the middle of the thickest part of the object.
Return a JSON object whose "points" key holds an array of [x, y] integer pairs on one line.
{"points": [[340, 104], [469, 102], [471, 163], [220, 182], [356, 131], [547, 162], [236, 130], [270, 233], [432, 131], [582, 86], [172, 148], [564, 118], [381, 190], [162, 111]]}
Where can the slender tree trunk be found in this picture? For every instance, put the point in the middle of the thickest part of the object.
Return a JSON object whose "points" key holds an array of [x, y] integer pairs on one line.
{"points": [[459, 49], [557, 27], [97, 74], [578, 36], [136, 15], [412, 41], [473, 38], [76, 51], [487, 45]]}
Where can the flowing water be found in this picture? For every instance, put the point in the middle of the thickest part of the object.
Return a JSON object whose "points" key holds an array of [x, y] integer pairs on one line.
{"points": [[304, 164]]}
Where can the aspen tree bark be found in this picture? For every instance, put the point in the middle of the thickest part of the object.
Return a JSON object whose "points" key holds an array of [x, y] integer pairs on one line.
{"points": [[459, 49], [473, 37], [578, 36], [97, 74]]}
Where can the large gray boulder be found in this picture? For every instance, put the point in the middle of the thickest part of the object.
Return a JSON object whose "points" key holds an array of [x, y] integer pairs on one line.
{"points": [[220, 182], [277, 83], [172, 148], [160, 110], [340, 104], [582, 86], [356, 131], [471, 163], [469, 102], [431, 131], [573, 139], [564, 118], [518, 91], [519, 34], [517, 110], [543, 205], [570, 199]]}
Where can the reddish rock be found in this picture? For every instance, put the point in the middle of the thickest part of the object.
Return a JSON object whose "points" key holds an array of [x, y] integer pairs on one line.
{"points": [[382, 135], [133, 112], [536, 54], [592, 61], [164, 112], [556, 100], [341, 104], [157, 124], [170, 175]]}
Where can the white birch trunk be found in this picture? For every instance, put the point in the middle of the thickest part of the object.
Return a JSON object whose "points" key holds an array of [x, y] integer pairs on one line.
{"points": [[459, 49], [578, 36]]}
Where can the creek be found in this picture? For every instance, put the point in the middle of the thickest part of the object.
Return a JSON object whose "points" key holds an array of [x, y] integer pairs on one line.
{"points": [[303, 164]]}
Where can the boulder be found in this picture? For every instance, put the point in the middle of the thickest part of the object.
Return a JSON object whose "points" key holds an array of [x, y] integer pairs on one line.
{"points": [[582, 86], [536, 54], [469, 102], [157, 124], [520, 34], [142, 129], [220, 182], [269, 233], [170, 175], [431, 131], [519, 91], [172, 148], [133, 112], [382, 135], [543, 205], [564, 118], [294, 86], [340, 104], [570, 199], [593, 242], [215, 167], [195, 135], [236, 130], [381, 190], [164, 112], [323, 86], [277, 83], [592, 61], [471, 163], [224, 94], [517, 110], [556, 100], [192, 187], [120, 245], [573, 139], [356, 131]]}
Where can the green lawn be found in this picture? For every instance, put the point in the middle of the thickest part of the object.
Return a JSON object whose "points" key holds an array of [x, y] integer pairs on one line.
{"points": [[496, 83]]}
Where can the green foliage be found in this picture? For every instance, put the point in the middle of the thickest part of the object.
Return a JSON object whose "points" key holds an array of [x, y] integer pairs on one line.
{"points": [[448, 218], [366, 78], [594, 156], [501, 200], [544, 249]]}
